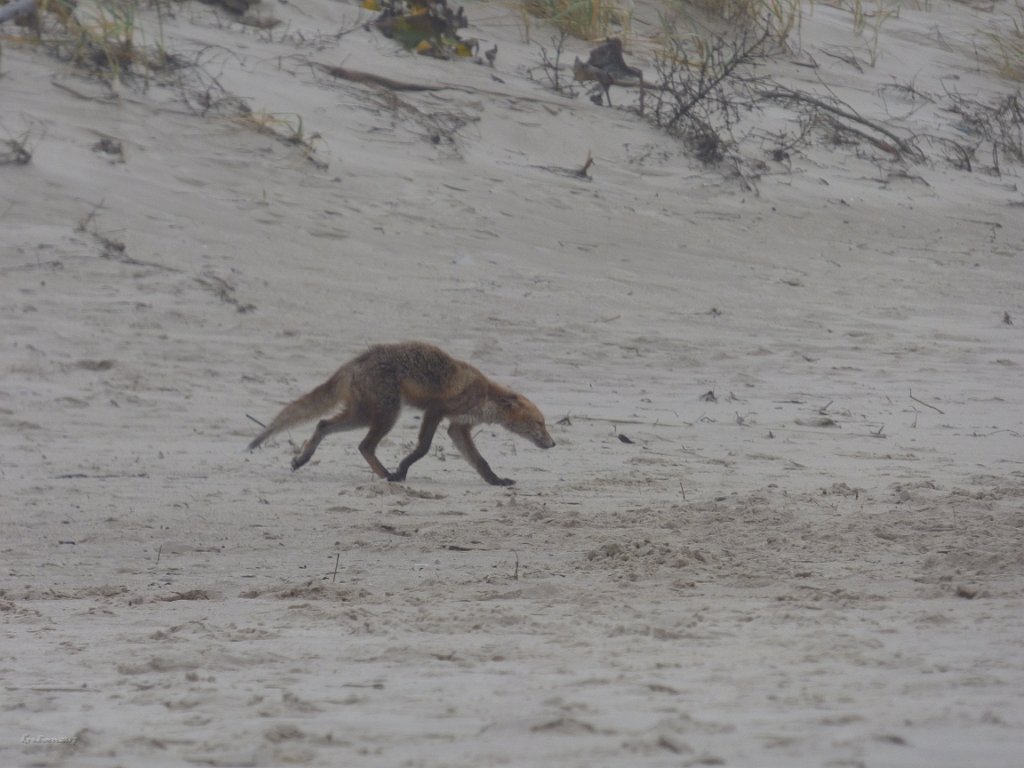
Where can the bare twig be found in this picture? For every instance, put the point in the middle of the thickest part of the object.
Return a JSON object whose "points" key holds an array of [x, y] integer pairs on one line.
{"points": [[848, 56], [110, 98], [223, 290], [257, 421], [553, 66], [15, 152], [926, 405], [582, 172]]}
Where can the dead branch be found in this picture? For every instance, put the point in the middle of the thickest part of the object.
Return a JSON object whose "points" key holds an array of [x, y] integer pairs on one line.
{"points": [[898, 146], [700, 100], [885, 146], [710, 80]]}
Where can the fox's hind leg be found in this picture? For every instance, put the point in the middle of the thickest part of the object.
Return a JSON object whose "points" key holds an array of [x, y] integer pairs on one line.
{"points": [[381, 423], [347, 419]]}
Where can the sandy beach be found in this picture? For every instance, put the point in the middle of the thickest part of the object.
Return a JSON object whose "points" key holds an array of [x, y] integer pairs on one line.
{"points": [[783, 524]]}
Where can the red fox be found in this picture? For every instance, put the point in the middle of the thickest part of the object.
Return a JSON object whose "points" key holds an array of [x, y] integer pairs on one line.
{"points": [[373, 386]]}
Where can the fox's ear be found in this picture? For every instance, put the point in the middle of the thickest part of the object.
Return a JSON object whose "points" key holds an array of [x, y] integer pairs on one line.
{"points": [[509, 400]]}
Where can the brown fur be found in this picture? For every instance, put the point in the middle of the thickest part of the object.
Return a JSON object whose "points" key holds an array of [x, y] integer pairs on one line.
{"points": [[373, 387]]}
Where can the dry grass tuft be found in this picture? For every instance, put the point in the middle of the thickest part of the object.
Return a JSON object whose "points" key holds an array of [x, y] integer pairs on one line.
{"points": [[100, 36], [1004, 49], [583, 19], [286, 127], [782, 17]]}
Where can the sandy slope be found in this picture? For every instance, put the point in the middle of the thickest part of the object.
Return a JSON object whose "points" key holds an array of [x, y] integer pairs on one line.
{"points": [[815, 568]]}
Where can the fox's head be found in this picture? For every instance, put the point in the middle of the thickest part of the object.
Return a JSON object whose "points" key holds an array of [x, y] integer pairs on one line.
{"points": [[524, 418]]}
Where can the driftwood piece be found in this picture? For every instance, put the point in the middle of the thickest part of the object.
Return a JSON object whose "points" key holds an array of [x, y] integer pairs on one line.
{"points": [[237, 7], [607, 64], [368, 78], [607, 67]]}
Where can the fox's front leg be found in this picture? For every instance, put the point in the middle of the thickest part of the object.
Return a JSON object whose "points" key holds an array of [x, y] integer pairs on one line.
{"points": [[463, 440], [430, 421]]}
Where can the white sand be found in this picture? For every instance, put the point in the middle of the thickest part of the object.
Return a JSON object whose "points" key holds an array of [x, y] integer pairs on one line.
{"points": [[736, 586]]}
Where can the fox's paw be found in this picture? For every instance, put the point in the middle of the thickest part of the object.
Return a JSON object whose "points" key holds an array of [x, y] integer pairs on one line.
{"points": [[299, 461], [396, 477], [502, 481]]}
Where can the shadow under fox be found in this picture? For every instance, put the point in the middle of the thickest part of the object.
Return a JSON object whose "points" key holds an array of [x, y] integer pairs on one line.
{"points": [[372, 388]]}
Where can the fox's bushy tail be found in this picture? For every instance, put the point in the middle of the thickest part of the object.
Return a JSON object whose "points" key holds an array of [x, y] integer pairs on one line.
{"points": [[307, 407]]}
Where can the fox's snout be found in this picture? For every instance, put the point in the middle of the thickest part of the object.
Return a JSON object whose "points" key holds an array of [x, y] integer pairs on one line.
{"points": [[526, 420], [544, 441]]}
